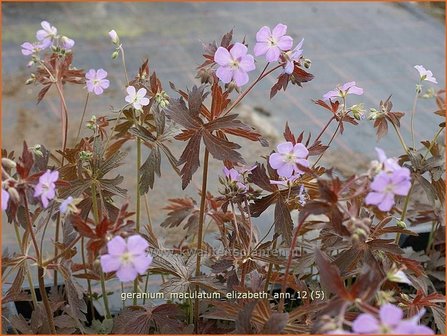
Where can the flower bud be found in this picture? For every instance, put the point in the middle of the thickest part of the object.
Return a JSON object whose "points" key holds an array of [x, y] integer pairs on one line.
{"points": [[418, 88], [14, 194], [115, 54], [8, 164], [37, 150], [85, 155], [358, 111], [307, 63], [401, 224], [114, 37], [162, 99], [67, 43]]}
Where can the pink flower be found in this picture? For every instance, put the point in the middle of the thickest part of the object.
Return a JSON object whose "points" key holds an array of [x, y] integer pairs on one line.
{"points": [[96, 81], [67, 43], [390, 321], [293, 56], [34, 48], [128, 258], [390, 181], [48, 31], [386, 186], [137, 99], [425, 74], [286, 181], [46, 188], [234, 64], [342, 91], [272, 43], [5, 199], [287, 157]]}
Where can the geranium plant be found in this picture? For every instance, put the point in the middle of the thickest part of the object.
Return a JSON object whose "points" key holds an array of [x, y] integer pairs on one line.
{"points": [[333, 260]]}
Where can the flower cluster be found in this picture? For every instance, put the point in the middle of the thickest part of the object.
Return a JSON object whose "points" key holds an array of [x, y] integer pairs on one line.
{"points": [[47, 37], [391, 180], [275, 44], [234, 180], [235, 63], [127, 258]]}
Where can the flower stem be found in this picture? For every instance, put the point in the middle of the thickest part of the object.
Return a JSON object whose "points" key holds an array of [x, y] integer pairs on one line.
{"points": [[82, 118], [200, 234], [243, 94], [96, 216], [330, 142], [40, 270], [401, 139], [28, 271], [138, 199], [413, 111], [324, 129], [123, 58], [404, 210], [89, 283]]}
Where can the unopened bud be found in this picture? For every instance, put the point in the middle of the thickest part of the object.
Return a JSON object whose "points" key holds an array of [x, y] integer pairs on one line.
{"points": [[37, 150], [115, 54], [358, 111], [307, 63], [401, 224], [85, 155], [8, 163], [162, 99], [14, 194], [418, 88], [114, 37]]}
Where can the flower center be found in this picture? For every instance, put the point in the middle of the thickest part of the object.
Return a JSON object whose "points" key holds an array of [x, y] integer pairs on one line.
{"points": [[289, 158], [234, 64], [272, 42], [126, 258]]}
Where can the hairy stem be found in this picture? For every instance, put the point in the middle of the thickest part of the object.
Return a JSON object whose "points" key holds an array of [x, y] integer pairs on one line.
{"points": [[123, 58], [28, 271], [82, 118], [404, 210], [324, 129], [89, 283], [413, 111], [200, 234]]}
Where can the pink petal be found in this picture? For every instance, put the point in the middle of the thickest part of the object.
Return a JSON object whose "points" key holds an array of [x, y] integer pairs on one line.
{"points": [[91, 74], [98, 90], [402, 188], [355, 90], [285, 147], [302, 162], [104, 83], [222, 56], [261, 48], [276, 160], [390, 314], [110, 263], [101, 74], [365, 324], [272, 54], [141, 263], [41, 35], [300, 151], [144, 101], [127, 273], [387, 202], [374, 198], [238, 50], [331, 94], [285, 43], [131, 91], [380, 182], [263, 34], [137, 244], [247, 63], [117, 246], [290, 66], [240, 77], [286, 170], [141, 93], [225, 74], [137, 106], [54, 176], [381, 154], [347, 86], [279, 31]]}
